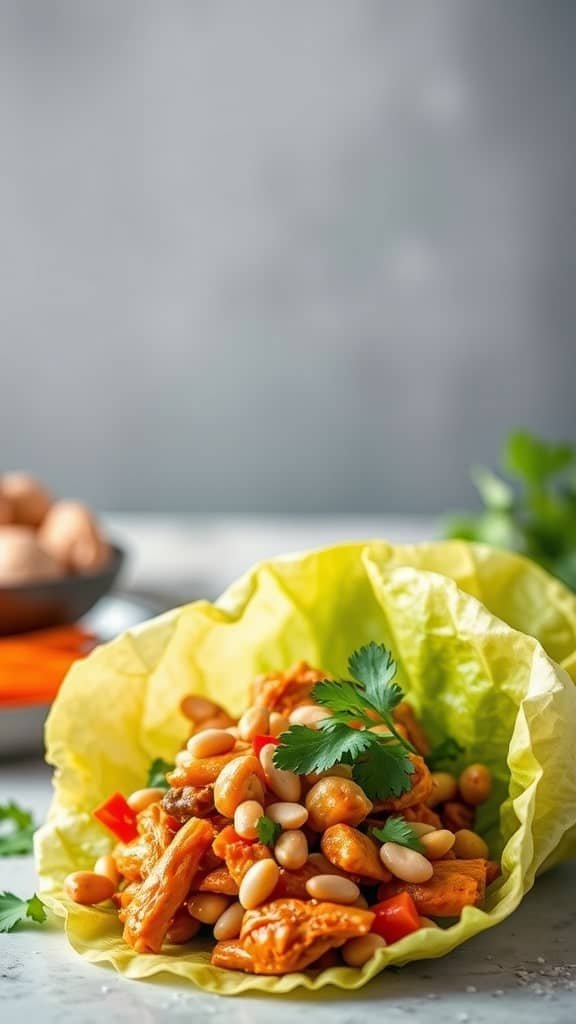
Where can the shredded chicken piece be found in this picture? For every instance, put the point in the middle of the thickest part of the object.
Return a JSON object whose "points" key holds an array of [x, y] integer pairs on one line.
{"points": [[423, 814], [189, 802], [136, 859], [219, 880], [454, 885], [288, 935], [456, 815], [353, 852], [284, 691], [421, 789], [231, 955], [404, 714], [149, 914], [199, 771], [239, 854]]}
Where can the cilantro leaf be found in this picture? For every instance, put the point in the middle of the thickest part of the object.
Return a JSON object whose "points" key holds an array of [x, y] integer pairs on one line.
{"points": [[17, 839], [447, 751], [341, 697], [385, 772], [157, 774], [374, 667], [397, 830], [268, 830], [303, 750], [13, 910]]}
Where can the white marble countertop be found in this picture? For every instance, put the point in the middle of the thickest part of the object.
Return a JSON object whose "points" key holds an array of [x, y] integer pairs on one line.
{"points": [[524, 969]]}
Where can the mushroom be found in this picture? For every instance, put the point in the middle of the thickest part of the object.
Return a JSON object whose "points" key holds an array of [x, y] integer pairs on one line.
{"points": [[28, 500], [72, 536], [22, 560]]}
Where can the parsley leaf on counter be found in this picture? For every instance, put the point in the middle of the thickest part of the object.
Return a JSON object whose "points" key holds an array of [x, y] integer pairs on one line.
{"points": [[157, 774], [268, 830], [397, 830], [380, 762], [13, 910], [17, 839], [447, 751]]}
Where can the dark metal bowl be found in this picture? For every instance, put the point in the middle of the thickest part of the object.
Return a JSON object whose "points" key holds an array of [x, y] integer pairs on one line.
{"points": [[27, 606]]}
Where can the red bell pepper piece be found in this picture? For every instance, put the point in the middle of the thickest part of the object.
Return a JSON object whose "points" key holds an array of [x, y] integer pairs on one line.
{"points": [[260, 741], [396, 918], [117, 816]]}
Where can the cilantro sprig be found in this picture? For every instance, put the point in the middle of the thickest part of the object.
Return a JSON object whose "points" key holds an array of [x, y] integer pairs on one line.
{"points": [[268, 830], [16, 830], [157, 774], [380, 762], [397, 830], [13, 910]]}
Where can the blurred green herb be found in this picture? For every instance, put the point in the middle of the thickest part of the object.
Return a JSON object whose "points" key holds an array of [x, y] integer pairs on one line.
{"points": [[444, 753], [268, 830], [157, 774], [16, 830], [535, 515]]}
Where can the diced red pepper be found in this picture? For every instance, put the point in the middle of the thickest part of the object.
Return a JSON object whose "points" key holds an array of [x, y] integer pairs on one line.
{"points": [[396, 918], [117, 816], [261, 741]]}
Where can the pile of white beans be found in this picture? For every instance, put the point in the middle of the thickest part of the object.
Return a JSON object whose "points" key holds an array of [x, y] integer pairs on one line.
{"points": [[241, 793]]}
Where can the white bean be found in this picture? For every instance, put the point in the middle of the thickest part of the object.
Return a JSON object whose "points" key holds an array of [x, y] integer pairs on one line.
{"points": [[210, 743], [246, 817], [421, 828], [198, 709], [258, 883], [142, 798], [334, 888], [308, 714], [357, 952], [229, 923], [207, 907], [254, 722], [106, 865], [288, 815], [409, 865], [291, 850], [278, 724], [286, 785], [239, 780], [436, 844], [445, 787]]}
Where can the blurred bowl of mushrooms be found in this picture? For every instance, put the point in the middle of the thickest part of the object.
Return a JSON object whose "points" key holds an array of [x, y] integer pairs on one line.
{"points": [[55, 561]]}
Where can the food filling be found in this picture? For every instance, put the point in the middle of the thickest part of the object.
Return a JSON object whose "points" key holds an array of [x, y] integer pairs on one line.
{"points": [[316, 829]]}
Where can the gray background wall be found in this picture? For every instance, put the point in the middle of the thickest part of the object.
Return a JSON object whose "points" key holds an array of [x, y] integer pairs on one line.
{"points": [[283, 256]]}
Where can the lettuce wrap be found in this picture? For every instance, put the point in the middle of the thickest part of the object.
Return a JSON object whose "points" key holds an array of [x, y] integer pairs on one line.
{"points": [[485, 642]]}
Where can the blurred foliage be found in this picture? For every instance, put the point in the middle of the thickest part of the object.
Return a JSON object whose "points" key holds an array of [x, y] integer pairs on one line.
{"points": [[536, 514]]}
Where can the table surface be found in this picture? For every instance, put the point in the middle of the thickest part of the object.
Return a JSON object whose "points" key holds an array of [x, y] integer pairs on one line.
{"points": [[524, 968]]}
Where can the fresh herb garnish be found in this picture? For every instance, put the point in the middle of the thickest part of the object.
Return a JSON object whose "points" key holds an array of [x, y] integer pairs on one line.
{"points": [[443, 753], [17, 838], [13, 910], [268, 830], [380, 763], [537, 514], [397, 830], [157, 774]]}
